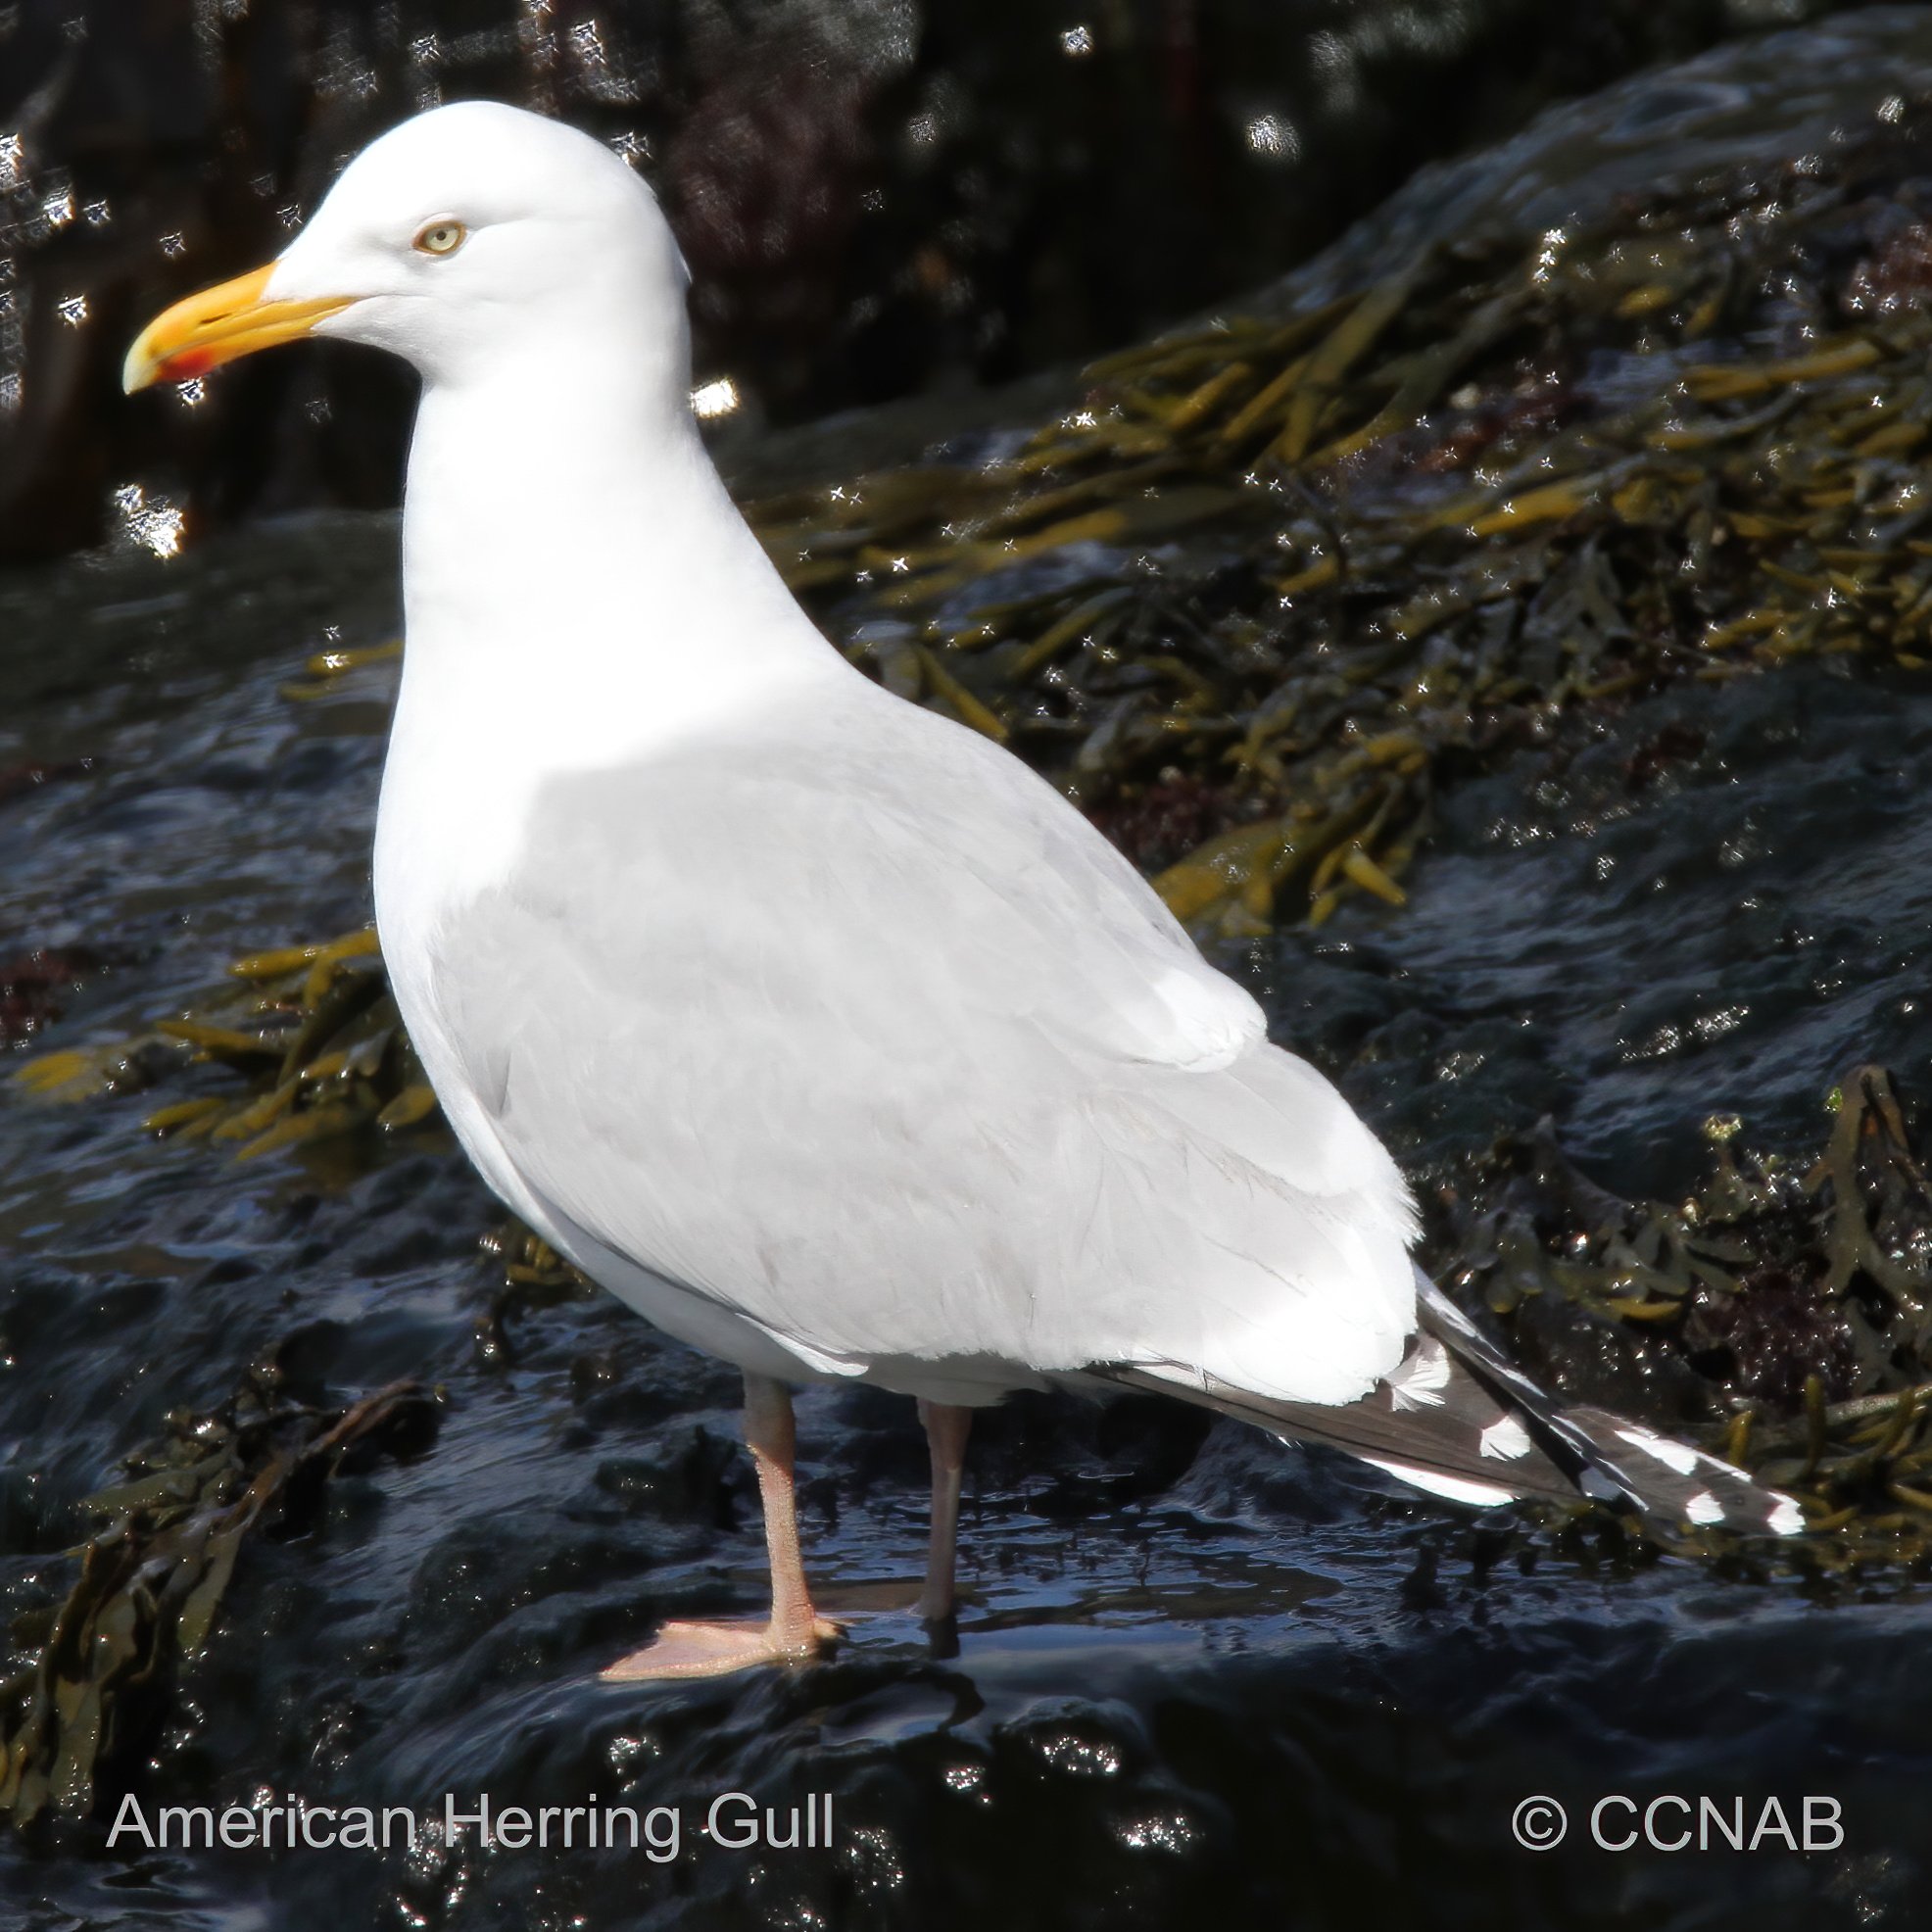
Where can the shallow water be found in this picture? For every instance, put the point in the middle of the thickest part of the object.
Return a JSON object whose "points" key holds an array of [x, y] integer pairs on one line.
{"points": [[1199, 1677]]}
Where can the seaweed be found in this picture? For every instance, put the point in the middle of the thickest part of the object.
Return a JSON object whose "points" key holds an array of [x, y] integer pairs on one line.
{"points": [[153, 1578], [1783, 1306], [535, 1277], [1312, 562], [312, 1030], [91, 1669]]}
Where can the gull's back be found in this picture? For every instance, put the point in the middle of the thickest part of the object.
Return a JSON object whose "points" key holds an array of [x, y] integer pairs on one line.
{"points": [[841, 1020]]}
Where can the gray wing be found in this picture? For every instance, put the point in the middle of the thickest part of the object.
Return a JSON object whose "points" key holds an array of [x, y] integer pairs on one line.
{"points": [[854, 1025]]}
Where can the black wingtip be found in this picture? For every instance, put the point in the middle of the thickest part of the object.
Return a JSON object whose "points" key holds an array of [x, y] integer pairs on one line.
{"points": [[1668, 1478], [1622, 1460]]}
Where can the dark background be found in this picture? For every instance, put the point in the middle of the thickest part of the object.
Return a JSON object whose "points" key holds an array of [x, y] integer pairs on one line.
{"points": [[877, 197]]}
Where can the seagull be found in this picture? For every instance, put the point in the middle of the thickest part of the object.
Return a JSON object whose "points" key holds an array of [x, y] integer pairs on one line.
{"points": [[815, 1027]]}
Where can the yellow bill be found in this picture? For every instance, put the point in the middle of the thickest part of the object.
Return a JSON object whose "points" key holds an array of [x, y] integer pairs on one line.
{"points": [[215, 327]]}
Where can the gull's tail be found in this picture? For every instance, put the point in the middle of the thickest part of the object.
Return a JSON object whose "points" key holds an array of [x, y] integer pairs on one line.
{"points": [[1460, 1420]]}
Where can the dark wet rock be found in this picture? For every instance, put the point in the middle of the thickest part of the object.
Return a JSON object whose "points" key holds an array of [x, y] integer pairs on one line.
{"points": [[24, 777], [32, 985]]}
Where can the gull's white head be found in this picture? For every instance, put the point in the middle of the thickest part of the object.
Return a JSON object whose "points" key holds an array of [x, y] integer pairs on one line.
{"points": [[474, 240]]}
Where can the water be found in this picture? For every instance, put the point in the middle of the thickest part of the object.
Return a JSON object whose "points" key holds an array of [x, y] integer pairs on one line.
{"points": [[1199, 1677]]}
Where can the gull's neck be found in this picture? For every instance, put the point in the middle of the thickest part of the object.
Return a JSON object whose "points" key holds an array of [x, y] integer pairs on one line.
{"points": [[569, 541], [579, 592]]}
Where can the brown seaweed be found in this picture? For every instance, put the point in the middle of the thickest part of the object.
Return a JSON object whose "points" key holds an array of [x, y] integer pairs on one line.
{"points": [[1306, 561], [152, 1578], [1781, 1309]]}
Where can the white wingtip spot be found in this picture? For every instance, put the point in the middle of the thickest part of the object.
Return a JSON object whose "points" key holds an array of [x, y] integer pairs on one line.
{"points": [[1678, 1456], [1506, 1437], [1705, 1508], [1419, 1381]]}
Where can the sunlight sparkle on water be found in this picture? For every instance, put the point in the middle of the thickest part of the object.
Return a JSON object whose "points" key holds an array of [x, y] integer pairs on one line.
{"points": [[1272, 139], [153, 522], [713, 398]]}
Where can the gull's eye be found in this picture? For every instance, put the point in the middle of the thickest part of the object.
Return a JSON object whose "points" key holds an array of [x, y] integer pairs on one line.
{"points": [[440, 237]]}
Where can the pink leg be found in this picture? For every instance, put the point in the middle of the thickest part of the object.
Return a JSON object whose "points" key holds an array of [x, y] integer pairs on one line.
{"points": [[946, 1429], [793, 1632]]}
